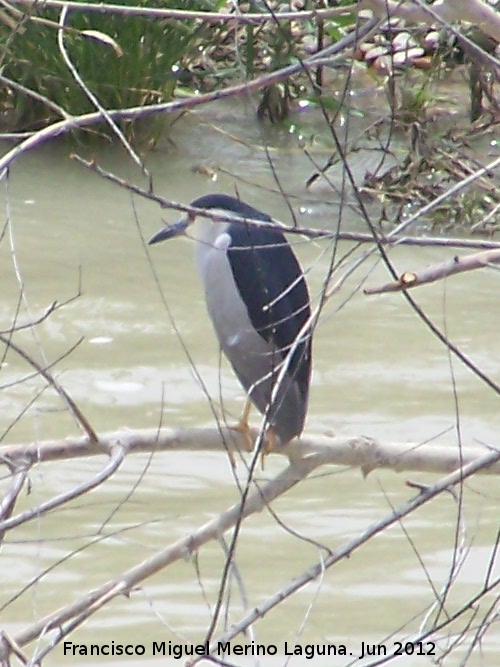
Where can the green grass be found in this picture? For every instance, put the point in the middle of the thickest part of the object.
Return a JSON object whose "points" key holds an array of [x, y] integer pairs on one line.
{"points": [[140, 71]]}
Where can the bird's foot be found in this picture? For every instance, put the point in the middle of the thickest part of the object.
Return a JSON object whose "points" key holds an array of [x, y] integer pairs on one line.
{"points": [[244, 428], [270, 444]]}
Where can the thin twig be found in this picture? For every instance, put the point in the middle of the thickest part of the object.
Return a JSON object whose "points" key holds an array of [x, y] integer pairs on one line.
{"points": [[308, 232], [114, 463], [50, 379], [10, 499], [186, 15], [95, 101]]}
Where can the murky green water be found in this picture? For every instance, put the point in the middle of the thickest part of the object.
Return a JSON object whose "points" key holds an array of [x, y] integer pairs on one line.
{"points": [[377, 371]]}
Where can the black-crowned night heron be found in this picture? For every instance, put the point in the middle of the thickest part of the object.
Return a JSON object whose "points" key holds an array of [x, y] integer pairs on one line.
{"points": [[258, 301]]}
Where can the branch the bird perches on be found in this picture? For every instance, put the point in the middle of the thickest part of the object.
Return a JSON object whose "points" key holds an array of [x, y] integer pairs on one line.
{"points": [[306, 455], [355, 451]]}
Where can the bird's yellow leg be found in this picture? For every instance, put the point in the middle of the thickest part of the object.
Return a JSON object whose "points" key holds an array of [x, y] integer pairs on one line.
{"points": [[243, 427]]}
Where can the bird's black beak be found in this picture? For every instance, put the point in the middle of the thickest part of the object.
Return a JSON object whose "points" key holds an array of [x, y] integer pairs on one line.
{"points": [[170, 231]]}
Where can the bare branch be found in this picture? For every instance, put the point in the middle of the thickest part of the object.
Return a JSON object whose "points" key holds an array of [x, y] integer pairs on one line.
{"points": [[10, 499], [19, 327], [186, 15], [357, 451], [51, 308], [346, 549], [308, 232], [451, 267], [256, 501], [49, 378], [50, 104], [36, 512]]}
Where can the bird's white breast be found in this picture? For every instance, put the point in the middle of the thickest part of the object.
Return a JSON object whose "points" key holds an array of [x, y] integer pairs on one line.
{"points": [[245, 348], [225, 306]]}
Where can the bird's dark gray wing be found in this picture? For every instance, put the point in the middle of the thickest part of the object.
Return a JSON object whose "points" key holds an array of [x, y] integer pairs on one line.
{"points": [[270, 281]]}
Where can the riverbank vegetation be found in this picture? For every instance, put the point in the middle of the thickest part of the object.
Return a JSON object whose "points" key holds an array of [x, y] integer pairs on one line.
{"points": [[67, 66]]}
